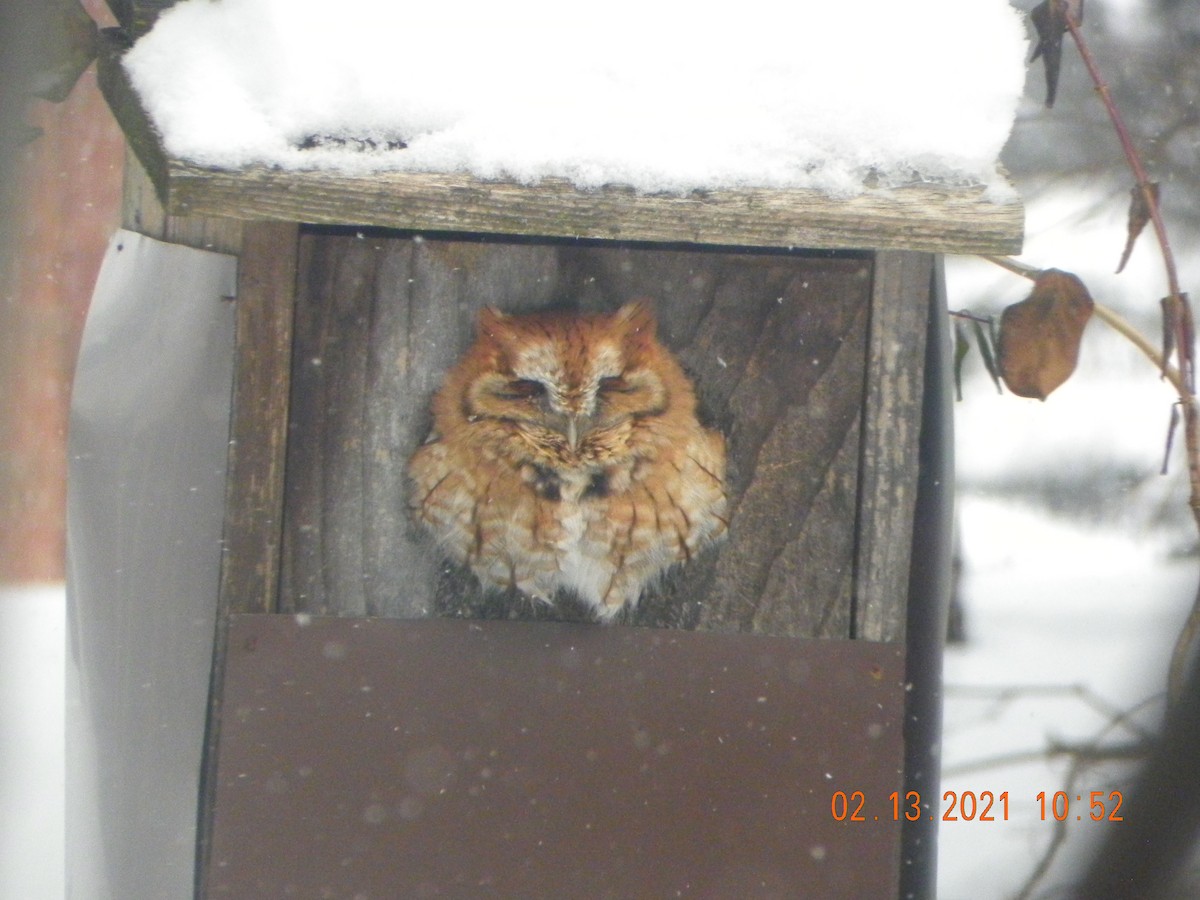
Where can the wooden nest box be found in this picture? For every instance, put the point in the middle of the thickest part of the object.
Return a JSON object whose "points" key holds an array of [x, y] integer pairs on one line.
{"points": [[435, 748]]}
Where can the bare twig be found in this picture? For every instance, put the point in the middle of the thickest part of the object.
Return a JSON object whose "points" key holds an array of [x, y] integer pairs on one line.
{"points": [[1114, 321], [1178, 312], [1093, 753], [1176, 309], [1005, 695], [971, 317], [1015, 266], [1181, 654], [1181, 719], [1090, 753], [1131, 154], [1058, 837]]}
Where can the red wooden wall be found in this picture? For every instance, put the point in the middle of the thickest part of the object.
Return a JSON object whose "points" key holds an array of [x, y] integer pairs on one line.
{"points": [[62, 205]]}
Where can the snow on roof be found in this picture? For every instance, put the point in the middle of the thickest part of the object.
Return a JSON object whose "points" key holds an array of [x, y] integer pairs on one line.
{"points": [[661, 95]]}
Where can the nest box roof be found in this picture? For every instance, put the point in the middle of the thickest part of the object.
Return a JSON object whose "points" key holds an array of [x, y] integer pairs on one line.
{"points": [[865, 126]]}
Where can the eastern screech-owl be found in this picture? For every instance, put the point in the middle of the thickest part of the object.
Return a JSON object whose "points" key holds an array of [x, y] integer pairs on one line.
{"points": [[566, 453]]}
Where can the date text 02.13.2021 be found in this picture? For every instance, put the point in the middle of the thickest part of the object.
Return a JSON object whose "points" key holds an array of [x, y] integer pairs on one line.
{"points": [[970, 806]]}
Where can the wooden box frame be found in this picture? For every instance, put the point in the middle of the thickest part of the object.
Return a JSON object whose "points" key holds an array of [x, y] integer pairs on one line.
{"points": [[256, 214]]}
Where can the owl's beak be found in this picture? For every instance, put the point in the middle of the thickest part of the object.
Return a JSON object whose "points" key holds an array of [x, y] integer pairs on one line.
{"points": [[577, 427]]}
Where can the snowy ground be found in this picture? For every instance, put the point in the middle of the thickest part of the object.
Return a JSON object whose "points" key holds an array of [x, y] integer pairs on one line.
{"points": [[1068, 624], [32, 683], [1075, 586]]}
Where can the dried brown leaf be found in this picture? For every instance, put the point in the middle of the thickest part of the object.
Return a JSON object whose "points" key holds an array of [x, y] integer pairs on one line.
{"points": [[1039, 337], [962, 346], [1139, 216], [1172, 427], [1185, 327], [1168, 334], [1050, 21], [986, 340]]}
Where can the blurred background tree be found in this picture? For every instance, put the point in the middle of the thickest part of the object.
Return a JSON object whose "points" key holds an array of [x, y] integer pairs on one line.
{"points": [[1070, 169]]}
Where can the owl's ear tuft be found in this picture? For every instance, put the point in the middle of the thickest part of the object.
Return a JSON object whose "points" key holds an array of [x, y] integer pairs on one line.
{"points": [[491, 322], [637, 316]]}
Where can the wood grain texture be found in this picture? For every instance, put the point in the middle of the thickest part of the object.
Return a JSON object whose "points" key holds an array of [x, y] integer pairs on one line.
{"points": [[775, 342], [143, 212], [146, 165], [916, 217], [143, 138], [258, 434], [379, 322], [252, 538], [891, 433], [928, 217]]}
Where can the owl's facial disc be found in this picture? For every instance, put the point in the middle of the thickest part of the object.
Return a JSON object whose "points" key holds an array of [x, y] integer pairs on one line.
{"points": [[536, 403], [571, 389]]}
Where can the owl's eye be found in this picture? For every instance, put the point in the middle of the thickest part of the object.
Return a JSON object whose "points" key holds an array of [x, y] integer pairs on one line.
{"points": [[522, 389], [615, 384]]}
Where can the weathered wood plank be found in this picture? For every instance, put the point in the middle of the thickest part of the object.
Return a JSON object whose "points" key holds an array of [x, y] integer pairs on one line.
{"points": [[924, 217], [919, 217], [127, 109], [379, 321], [775, 342], [252, 537], [258, 433], [891, 434], [145, 169], [143, 212]]}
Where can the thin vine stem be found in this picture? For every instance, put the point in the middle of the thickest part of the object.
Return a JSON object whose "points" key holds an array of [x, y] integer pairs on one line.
{"points": [[1131, 154], [1122, 326], [1016, 266], [972, 317], [1176, 310]]}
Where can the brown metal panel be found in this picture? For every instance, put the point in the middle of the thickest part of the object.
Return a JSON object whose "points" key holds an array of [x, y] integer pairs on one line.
{"points": [[375, 758]]}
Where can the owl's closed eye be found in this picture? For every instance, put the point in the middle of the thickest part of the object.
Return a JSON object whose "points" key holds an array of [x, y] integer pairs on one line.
{"points": [[567, 456]]}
